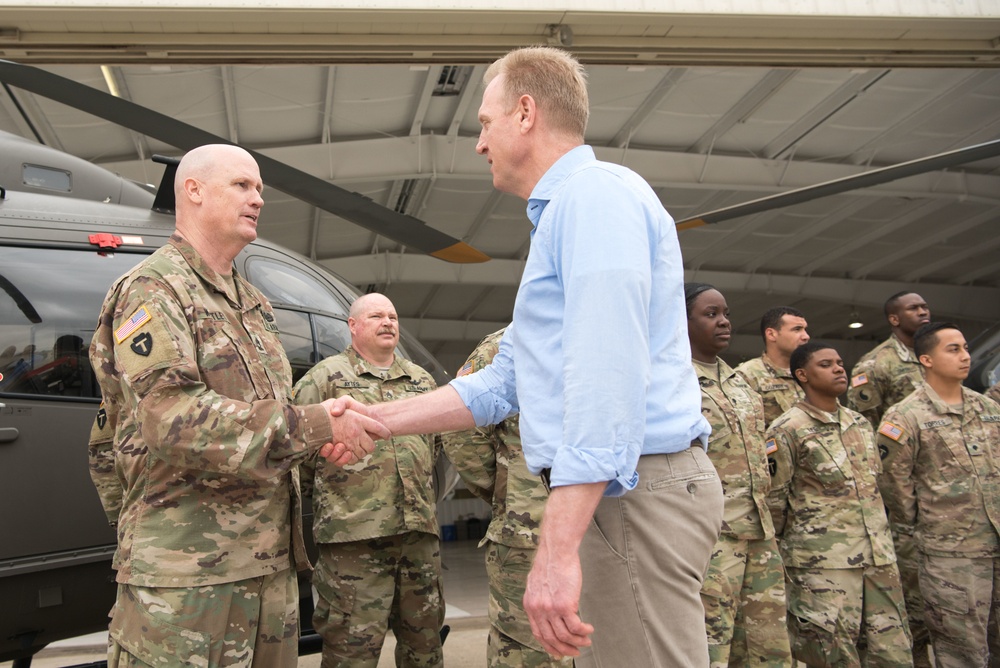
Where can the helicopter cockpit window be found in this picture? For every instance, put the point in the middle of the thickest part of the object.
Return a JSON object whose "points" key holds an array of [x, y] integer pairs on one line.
{"points": [[49, 301], [284, 284], [47, 177]]}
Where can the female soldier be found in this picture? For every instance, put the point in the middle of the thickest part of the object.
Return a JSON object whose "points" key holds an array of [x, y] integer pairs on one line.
{"points": [[744, 590]]}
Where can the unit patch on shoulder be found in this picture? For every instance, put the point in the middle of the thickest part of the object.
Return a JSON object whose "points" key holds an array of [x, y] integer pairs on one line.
{"points": [[141, 316], [468, 368], [860, 379], [889, 430], [771, 446]]}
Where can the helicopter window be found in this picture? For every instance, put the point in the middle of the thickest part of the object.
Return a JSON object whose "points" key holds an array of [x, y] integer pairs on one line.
{"points": [[49, 301], [47, 177], [295, 334], [332, 335], [284, 284]]}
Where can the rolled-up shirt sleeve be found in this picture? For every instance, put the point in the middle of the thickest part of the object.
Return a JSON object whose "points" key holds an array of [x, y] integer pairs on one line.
{"points": [[490, 393]]}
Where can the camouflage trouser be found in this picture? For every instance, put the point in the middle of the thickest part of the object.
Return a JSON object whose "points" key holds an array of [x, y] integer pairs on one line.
{"points": [[366, 587], [251, 622], [908, 561], [832, 611], [511, 644], [963, 610], [744, 599]]}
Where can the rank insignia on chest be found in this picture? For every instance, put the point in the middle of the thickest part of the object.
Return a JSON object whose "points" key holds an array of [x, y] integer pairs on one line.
{"points": [[770, 446], [860, 379], [889, 430], [141, 316]]}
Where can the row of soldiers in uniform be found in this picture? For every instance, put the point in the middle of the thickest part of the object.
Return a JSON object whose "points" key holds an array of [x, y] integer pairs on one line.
{"points": [[805, 566], [812, 486]]}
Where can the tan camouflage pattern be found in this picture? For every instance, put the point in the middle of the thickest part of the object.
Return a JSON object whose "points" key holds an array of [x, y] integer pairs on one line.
{"points": [[736, 448], [882, 377], [963, 609], [250, 624], [744, 599], [491, 463], [776, 386], [367, 587], [511, 643], [391, 490], [743, 592], [941, 472], [101, 459], [848, 617], [825, 499], [206, 441], [994, 393]]}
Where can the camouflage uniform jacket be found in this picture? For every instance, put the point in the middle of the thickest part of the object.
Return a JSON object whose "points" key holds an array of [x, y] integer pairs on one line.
{"points": [[736, 448], [941, 472], [883, 377], [390, 491], [994, 393], [491, 463], [825, 499], [206, 443], [776, 387]]}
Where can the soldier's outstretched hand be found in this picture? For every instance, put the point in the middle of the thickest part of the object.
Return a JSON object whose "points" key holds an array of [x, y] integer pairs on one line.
{"points": [[354, 433]]}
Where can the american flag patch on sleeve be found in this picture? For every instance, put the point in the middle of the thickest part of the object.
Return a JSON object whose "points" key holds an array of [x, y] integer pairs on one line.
{"points": [[890, 430], [771, 446], [860, 379], [466, 370], [141, 316]]}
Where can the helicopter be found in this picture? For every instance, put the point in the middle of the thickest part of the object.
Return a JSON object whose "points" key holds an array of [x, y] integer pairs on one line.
{"points": [[67, 229]]}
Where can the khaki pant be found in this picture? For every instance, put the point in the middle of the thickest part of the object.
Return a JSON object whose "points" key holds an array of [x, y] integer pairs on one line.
{"points": [[249, 623], [644, 557], [962, 599]]}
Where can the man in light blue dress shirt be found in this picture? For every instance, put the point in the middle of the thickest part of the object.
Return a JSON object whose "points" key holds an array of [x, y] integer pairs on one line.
{"points": [[597, 359]]}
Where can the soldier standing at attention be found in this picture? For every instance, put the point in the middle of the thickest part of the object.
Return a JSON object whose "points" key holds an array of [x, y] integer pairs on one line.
{"points": [[882, 378], [375, 522], [941, 480], [842, 582], [491, 463], [744, 590], [783, 329], [197, 444]]}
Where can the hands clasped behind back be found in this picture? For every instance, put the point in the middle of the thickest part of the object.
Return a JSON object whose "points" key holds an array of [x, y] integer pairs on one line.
{"points": [[354, 433]]}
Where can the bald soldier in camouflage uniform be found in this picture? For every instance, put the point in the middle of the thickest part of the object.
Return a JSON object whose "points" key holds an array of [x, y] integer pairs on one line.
{"points": [[375, 522], [783, 329], [491, 463], [882, 378], [196, 446], [941, 481], [843, 584]]}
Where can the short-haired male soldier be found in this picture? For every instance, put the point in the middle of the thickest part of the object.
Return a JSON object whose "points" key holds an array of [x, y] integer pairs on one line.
{"points": [[783, 329], [196, 447], [941, 481], [375, 522], [881, 378], [598, 361]]}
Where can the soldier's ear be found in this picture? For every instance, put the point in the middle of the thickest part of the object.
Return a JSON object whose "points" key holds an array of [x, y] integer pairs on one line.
{"points": [[800, 374], [926, 360], [894, 320]]}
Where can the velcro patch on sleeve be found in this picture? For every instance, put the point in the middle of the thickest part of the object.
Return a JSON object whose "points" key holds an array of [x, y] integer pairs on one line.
{"points": [[860, 379], [141, 316], [467, 368], [889, 430], [771, 446]]}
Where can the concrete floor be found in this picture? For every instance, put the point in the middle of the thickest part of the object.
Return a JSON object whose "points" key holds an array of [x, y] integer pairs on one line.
{"points": [[465, 591]]}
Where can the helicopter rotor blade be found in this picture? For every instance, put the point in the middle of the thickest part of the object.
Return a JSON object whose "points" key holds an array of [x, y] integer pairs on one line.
{"points": [[867, 179], [407, 230]]}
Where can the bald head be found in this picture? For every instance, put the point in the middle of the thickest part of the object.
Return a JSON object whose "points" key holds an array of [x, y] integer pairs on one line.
{"points": [[374, 328], [218, 200]]}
